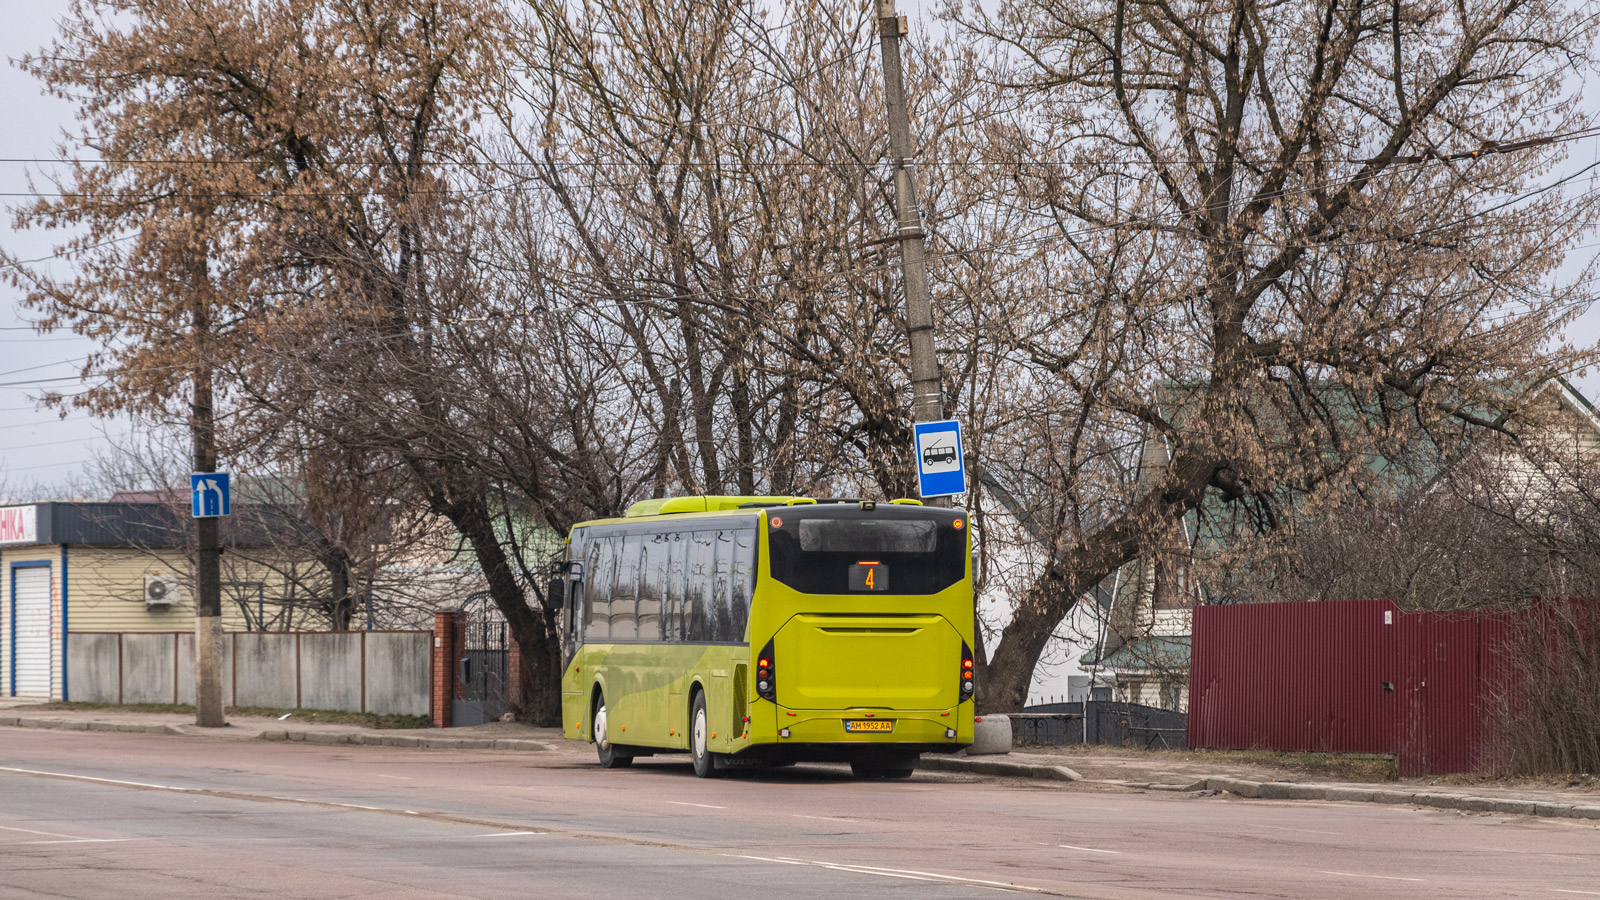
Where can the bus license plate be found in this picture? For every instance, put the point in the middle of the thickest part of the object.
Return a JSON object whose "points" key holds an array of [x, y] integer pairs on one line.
{"points": [[868, 725]]}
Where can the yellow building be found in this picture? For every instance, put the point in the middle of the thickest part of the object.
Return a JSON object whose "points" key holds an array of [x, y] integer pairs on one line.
{"points": [[86, 568]]}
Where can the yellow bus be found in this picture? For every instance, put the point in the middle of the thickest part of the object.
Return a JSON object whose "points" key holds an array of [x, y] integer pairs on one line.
{"points": [[751, 631]]}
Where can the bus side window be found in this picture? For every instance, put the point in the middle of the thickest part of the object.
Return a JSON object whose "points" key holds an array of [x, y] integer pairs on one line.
{"points": [[625, 590], [721, 614], [697, 599], [744, 580], [652, 585], [677, 580], [602, 568]]}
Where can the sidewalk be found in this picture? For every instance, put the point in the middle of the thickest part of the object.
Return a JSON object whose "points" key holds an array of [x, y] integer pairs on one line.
{"points": [[1110, 768], [1085, 768], [493, 736]]}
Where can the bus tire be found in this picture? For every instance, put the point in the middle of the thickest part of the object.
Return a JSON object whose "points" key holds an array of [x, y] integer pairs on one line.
{"points": [[611, 757], [705, 762], [896, 769]]}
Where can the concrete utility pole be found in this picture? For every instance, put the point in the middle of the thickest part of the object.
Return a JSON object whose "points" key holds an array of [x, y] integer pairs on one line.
{"points": [[208, 710], [927, 403], [927, 397]]}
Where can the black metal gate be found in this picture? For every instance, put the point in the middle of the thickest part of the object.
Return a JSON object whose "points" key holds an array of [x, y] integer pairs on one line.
{"points": [[481, 682]]}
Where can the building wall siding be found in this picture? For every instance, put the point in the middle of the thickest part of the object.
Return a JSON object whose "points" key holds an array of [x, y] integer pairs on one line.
{"points": [[107, 592]]}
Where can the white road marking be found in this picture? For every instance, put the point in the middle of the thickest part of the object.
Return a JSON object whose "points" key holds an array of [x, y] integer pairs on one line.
{"points": [[701, 805], [1089, 849], [31, 831], [823, 818], [397, 777], [506, 833], [910, 874], [143, 784], [1589, 893], [1384, 877], [1281, 828], [1539, 852], [82, 841]]}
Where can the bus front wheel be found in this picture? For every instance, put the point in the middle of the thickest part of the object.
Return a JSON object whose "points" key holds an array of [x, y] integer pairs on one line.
{"points": [[705, 762], [610, 756]]}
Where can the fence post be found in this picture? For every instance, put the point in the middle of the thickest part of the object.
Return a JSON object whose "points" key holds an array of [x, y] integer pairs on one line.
{"points": [[445, 638]]}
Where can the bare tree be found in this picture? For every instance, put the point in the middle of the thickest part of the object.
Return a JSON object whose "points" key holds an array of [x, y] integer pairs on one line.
{"points": [[1265, 217]]}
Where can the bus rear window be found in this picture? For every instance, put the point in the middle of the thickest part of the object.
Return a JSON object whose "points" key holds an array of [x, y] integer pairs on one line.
{"points": [[867, 536], [905, 551]]}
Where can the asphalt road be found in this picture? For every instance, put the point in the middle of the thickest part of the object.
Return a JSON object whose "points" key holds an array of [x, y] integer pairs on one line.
{"points": [[94, 815]]}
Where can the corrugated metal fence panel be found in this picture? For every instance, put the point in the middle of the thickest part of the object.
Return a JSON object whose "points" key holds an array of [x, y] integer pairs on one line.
{"points": [[1353, 677], [1290, 676]]}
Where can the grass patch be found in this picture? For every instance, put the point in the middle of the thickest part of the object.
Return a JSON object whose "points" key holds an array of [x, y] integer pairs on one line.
{"points": [[1589, 784], [1362, 767], [314, 716], [1343, 766]]}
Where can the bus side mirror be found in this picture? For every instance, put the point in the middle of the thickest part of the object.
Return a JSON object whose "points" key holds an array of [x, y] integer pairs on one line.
{"points": [[557, 592]]}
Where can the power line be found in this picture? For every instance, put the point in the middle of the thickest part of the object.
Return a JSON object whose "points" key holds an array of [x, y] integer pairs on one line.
{"points": [[1486, 148], [50, 465]]}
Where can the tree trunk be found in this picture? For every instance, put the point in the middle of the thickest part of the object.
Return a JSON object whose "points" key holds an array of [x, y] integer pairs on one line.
{"points": [[534, 632], [1084, 565]]}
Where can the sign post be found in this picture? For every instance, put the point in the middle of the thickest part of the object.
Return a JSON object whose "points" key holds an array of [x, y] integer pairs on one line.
{"points": [[209, 501], [941, 464]]}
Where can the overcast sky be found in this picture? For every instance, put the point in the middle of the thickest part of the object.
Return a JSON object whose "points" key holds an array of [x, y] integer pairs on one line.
{"points": [[37, 446]]}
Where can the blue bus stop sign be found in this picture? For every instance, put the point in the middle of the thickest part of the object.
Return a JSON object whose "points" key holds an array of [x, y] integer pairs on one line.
{"points": [[941, 465], [208, 492]]}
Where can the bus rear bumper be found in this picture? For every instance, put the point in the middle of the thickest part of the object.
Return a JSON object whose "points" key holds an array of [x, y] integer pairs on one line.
{"points": [[932, 730]]}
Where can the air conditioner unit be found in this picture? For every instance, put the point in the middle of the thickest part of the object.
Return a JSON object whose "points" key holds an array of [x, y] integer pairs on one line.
{"points": [[160, 591]]}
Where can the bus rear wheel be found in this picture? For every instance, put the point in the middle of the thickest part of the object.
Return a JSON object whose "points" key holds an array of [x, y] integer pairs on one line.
{"points": [[610, 756], [705, 762]]}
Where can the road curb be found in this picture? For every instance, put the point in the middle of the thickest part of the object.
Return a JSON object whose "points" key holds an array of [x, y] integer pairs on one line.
{"points": [[70, 725], [1280, 790], [1284, 790], [371, 739], [357, 738], [997, 767]]}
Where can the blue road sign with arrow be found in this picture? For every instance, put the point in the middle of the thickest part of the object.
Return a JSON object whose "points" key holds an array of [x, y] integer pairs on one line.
{"points": [[208, 492], [941, 466]]}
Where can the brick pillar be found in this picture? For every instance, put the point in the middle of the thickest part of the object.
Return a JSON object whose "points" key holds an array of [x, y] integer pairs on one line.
{"points": [[446, 643], [514, 677]]}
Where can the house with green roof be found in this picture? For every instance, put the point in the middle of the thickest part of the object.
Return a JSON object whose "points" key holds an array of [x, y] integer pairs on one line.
{"points": [[1145, 611]]}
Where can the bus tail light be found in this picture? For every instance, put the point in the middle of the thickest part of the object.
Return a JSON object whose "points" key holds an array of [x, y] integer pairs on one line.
{"points": [[767, 675], [966, 672]]}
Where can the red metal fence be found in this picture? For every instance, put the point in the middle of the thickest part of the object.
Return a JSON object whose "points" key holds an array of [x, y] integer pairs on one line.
{"points": [[1358, 677]]}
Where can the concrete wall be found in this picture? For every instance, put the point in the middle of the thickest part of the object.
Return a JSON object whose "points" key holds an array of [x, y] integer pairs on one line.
{"points": [[267, 671], [94, 668], [330, 671], [384, 672], [149, 668], [397, 663]]}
